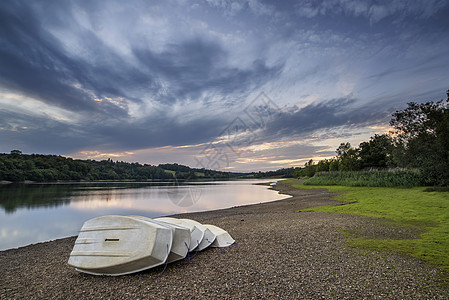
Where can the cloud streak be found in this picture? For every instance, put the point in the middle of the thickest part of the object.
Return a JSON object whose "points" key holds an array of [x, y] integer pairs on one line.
{"points": [[374, 11]]}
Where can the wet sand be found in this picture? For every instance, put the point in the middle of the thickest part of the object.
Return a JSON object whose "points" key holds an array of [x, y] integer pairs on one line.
{"points": [[280, 252]]}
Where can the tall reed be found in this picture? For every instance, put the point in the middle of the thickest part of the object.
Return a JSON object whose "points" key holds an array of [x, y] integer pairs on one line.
{"points": [[379, 178]]}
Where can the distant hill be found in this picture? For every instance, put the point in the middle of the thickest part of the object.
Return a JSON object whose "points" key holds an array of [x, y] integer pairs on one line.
{"points": [[18, 167]]}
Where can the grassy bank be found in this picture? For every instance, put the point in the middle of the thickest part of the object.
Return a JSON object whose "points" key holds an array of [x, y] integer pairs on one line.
{"points": [[428, 211], [377, 178]]}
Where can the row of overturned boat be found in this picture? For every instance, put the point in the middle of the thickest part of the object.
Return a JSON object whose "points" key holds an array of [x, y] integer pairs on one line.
{"points": [[118, 245]]}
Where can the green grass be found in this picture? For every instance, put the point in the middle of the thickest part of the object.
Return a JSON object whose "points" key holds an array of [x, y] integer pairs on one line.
{"points": [[428, 211], [437, 189], [378, 178]]}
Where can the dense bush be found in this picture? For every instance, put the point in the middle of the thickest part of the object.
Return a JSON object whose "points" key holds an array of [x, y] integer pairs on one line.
{"points": [[375, 178]]}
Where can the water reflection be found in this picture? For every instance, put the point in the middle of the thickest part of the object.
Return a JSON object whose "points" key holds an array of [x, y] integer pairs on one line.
{"points": [[14, 196], [32, 213], [184, 196]]}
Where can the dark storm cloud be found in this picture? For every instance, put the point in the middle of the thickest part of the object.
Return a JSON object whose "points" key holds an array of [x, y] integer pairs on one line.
{"points": [[197, 66], [41, 135], [34, 62], [429, 65], [156, 132], [325, 115]]}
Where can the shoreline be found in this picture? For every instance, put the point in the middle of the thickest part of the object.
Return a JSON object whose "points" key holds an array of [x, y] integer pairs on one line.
{"points": [[205, 179], [280, 252]]}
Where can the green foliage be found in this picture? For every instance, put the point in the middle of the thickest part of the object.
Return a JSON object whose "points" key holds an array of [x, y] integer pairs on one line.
{"points": [[334, 165], [440, 189], [280, 173], [422, 139], [323, 165], [428, 211], [377, 152], [379, 178], [35, 167], [418, 119], [343, 149], [308, 170], [297, 173], [15, 153], [348, 158]]}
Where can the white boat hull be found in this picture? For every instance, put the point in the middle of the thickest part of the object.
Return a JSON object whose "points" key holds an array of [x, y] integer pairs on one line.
{"points": [[208, 238], [118, 245], [181, 239], [196, 235], [223, 238]]}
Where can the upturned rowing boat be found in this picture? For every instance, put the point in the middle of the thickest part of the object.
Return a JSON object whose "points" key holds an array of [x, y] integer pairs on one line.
{"points": [[181, 239], [223, 238], [118, 245]]}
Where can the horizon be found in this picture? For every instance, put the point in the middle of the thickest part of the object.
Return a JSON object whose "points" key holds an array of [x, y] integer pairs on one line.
{"points": [[238, 86], [128, 162]]}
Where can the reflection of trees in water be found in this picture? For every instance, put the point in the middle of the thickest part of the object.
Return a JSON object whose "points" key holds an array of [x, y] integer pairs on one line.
{"points": [[15, 196]]}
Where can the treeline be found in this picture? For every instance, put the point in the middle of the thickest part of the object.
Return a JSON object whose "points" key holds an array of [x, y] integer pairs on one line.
{"points": [[418, 148], [181, 172], [187, 173], [18, 167], [37, 167], [280, 173]]}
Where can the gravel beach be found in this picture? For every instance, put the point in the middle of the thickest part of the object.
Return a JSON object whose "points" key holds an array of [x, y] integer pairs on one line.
{"points": [[280, 252]]}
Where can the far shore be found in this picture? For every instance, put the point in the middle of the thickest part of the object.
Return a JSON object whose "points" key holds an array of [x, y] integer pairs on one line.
{"points": [[280, 252], [136, 181]]}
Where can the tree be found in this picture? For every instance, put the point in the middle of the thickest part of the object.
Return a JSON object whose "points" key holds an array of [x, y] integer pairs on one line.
{"points": [[16, 153], [323, 165], [422, 141], [418, 119], [343, 149], [348, 158], [377, 152], [442, 130], [308, 170], [334, 165]]}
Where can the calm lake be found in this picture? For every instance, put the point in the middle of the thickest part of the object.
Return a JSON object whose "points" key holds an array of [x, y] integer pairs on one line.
{"points": [[31, 213]]}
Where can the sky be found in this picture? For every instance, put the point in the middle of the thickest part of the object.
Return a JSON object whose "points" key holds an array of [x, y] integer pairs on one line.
{"points": [[250, 85]]}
